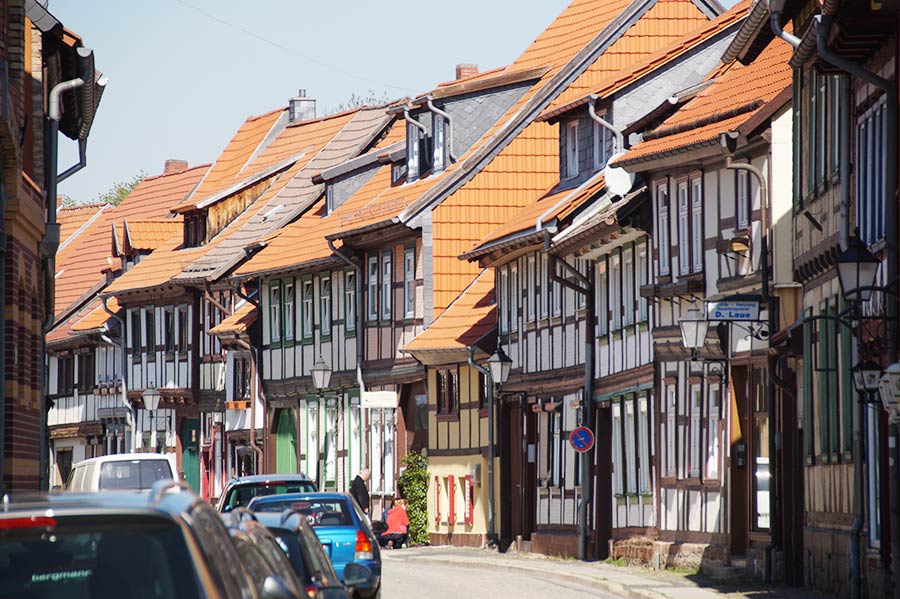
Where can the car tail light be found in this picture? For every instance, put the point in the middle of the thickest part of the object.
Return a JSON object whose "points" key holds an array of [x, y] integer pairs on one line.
{"points": [[32, 522], [311, 591], [363, 547]]}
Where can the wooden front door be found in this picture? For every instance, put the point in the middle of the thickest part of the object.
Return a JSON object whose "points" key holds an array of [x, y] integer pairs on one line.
{"points": [[740, 465], [286, 443]]}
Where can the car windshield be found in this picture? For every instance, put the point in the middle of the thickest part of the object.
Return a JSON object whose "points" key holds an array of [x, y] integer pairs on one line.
{"points": [[133, 474], [84, 560], [242, 494], [318, 512]]}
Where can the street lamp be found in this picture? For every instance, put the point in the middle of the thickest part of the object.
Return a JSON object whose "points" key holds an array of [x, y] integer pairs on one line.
{"points": [[500, 365], [866, 377], [694, 327], [321, 374], [151, 397], [857, 270]]}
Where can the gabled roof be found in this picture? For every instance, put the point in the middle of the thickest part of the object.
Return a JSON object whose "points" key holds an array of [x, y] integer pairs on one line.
{"points": [[74, 220], [633, 73], [471, 316], [149, 234], [733, 99], [80, 264]]}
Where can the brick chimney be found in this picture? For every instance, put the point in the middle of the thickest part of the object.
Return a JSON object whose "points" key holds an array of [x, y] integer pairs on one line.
{"points": [[301, 108], [464, 71], [173, 167]]}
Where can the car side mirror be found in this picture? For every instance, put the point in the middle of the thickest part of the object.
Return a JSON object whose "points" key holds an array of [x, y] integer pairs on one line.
{"points": [[274, 588], [358, 575]]}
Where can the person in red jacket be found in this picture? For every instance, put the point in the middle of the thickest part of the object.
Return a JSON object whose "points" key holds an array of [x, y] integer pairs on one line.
{"points": [[397, 532]]}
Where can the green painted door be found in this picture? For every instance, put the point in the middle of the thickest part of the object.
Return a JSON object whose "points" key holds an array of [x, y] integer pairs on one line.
{"points": [[190, 452], [286, 443]]}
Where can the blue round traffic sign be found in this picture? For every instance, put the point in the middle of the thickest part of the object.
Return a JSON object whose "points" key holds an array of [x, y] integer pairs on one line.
{"points": [[582, 439]]}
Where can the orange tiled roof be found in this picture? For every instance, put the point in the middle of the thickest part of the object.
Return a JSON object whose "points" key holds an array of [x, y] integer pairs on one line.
{"points": [[471, 316], [569, 200], [237, 323], [632, 73], [97, 317], [149, 234], [723, 106], [71, 219], [80, 264]]}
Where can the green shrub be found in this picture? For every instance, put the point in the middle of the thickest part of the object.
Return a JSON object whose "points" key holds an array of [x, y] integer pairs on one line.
{"points": [[414, 488]]}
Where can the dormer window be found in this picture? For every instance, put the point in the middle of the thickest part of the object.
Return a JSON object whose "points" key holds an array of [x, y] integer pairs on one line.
{"points": [[398, 173], [572, 149], [329, 199], [602, 145], [439, 137], [195, 229], [413, 157]]}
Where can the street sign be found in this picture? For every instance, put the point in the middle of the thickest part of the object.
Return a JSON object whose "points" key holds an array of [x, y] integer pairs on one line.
{"points": [[733, 310], [582, 439], [374, 400]]}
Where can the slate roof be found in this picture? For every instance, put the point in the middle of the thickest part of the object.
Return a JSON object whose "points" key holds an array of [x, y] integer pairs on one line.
{"points": [[737, 94], [471, 316], [80, 264]]}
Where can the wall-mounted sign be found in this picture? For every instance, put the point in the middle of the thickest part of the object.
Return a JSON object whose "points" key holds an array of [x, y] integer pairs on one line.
{"points": [[733, 310], [373, 400]]}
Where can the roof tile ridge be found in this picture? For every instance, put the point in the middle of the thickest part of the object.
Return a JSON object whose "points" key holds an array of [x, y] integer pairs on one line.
{"points": [[185, 171], [327, 117]]}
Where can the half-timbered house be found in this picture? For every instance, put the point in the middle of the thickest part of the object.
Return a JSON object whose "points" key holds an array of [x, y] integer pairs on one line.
{"points": [[707, 168], [543, 292]]}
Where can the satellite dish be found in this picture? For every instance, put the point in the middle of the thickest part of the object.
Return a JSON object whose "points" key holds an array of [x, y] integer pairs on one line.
{"points": [[618, 180]]}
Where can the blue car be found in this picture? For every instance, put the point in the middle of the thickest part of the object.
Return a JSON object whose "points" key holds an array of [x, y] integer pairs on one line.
{"points": [[341, 527]]}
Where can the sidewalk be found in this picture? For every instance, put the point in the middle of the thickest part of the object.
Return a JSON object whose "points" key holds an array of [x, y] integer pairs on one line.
{"points": [[622, 581]]}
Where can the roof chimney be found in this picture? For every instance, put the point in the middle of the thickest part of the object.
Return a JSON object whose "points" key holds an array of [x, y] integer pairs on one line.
{"points": [[301, 108], [464, 71], [173, 166]]}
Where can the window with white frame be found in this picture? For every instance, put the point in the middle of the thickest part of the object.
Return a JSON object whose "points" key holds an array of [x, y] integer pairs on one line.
{"points": [[325, 306], [440, 141], [602, 143], [503, 299], [630, 449], [289, 324], [697, 233], [712, 433], [643, 444], [556, 293], [671, 408], [695, 432], [514, 290], [544, 281], [743, 199], [618, 457], [386, 285], [870, 171], [628, 285], [602, 297], [615, 291], [554, 457], [684, 260], [572, 149], [642, 280], [582, 266], [350, 300], [409, 283], [530, 292], [662, 227], [372, 290], [412, 152], [307, 309], [274, 315]]}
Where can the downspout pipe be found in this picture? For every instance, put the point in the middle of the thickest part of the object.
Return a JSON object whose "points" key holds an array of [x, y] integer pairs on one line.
{"points": [[470, 357], [586, 288], [823, 24], [617, 133], [413, 121], [360, 323], [123, 359], [82, 162], [775, 8], [449, 120]]}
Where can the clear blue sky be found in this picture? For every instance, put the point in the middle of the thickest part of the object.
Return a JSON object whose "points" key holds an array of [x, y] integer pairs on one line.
{"points": [[182, 82]]}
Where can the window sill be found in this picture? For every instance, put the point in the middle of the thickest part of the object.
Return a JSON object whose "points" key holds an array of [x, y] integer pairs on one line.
{"points": [[349, 333], [482, 412], [454, 417], [309, 340]]}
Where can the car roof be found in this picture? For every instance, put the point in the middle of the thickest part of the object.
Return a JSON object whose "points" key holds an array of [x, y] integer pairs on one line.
{"points": [[167, 498], [126, 457], [281, 497], [265, 478]]}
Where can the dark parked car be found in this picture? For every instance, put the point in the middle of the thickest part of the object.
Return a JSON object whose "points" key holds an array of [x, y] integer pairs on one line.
{"points": [[308, 557], [341, 527], [239, 492], [163, 543]]}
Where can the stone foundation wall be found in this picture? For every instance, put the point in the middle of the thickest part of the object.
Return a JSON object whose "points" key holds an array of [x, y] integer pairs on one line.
{"points": [[556, 543], [457, 540]]}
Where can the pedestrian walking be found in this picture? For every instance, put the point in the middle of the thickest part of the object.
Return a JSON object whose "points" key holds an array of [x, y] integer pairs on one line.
{"points": [[360, 490]]}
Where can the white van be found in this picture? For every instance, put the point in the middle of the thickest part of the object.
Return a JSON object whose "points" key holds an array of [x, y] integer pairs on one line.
{"points": [[129, 471]]}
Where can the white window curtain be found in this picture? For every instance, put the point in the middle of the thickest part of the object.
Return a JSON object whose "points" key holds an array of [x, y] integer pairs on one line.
{"points": [[386, 286], [697, 233], [695, 431], [684, 264], [662, 227], [372, 292], [572, 149]]}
